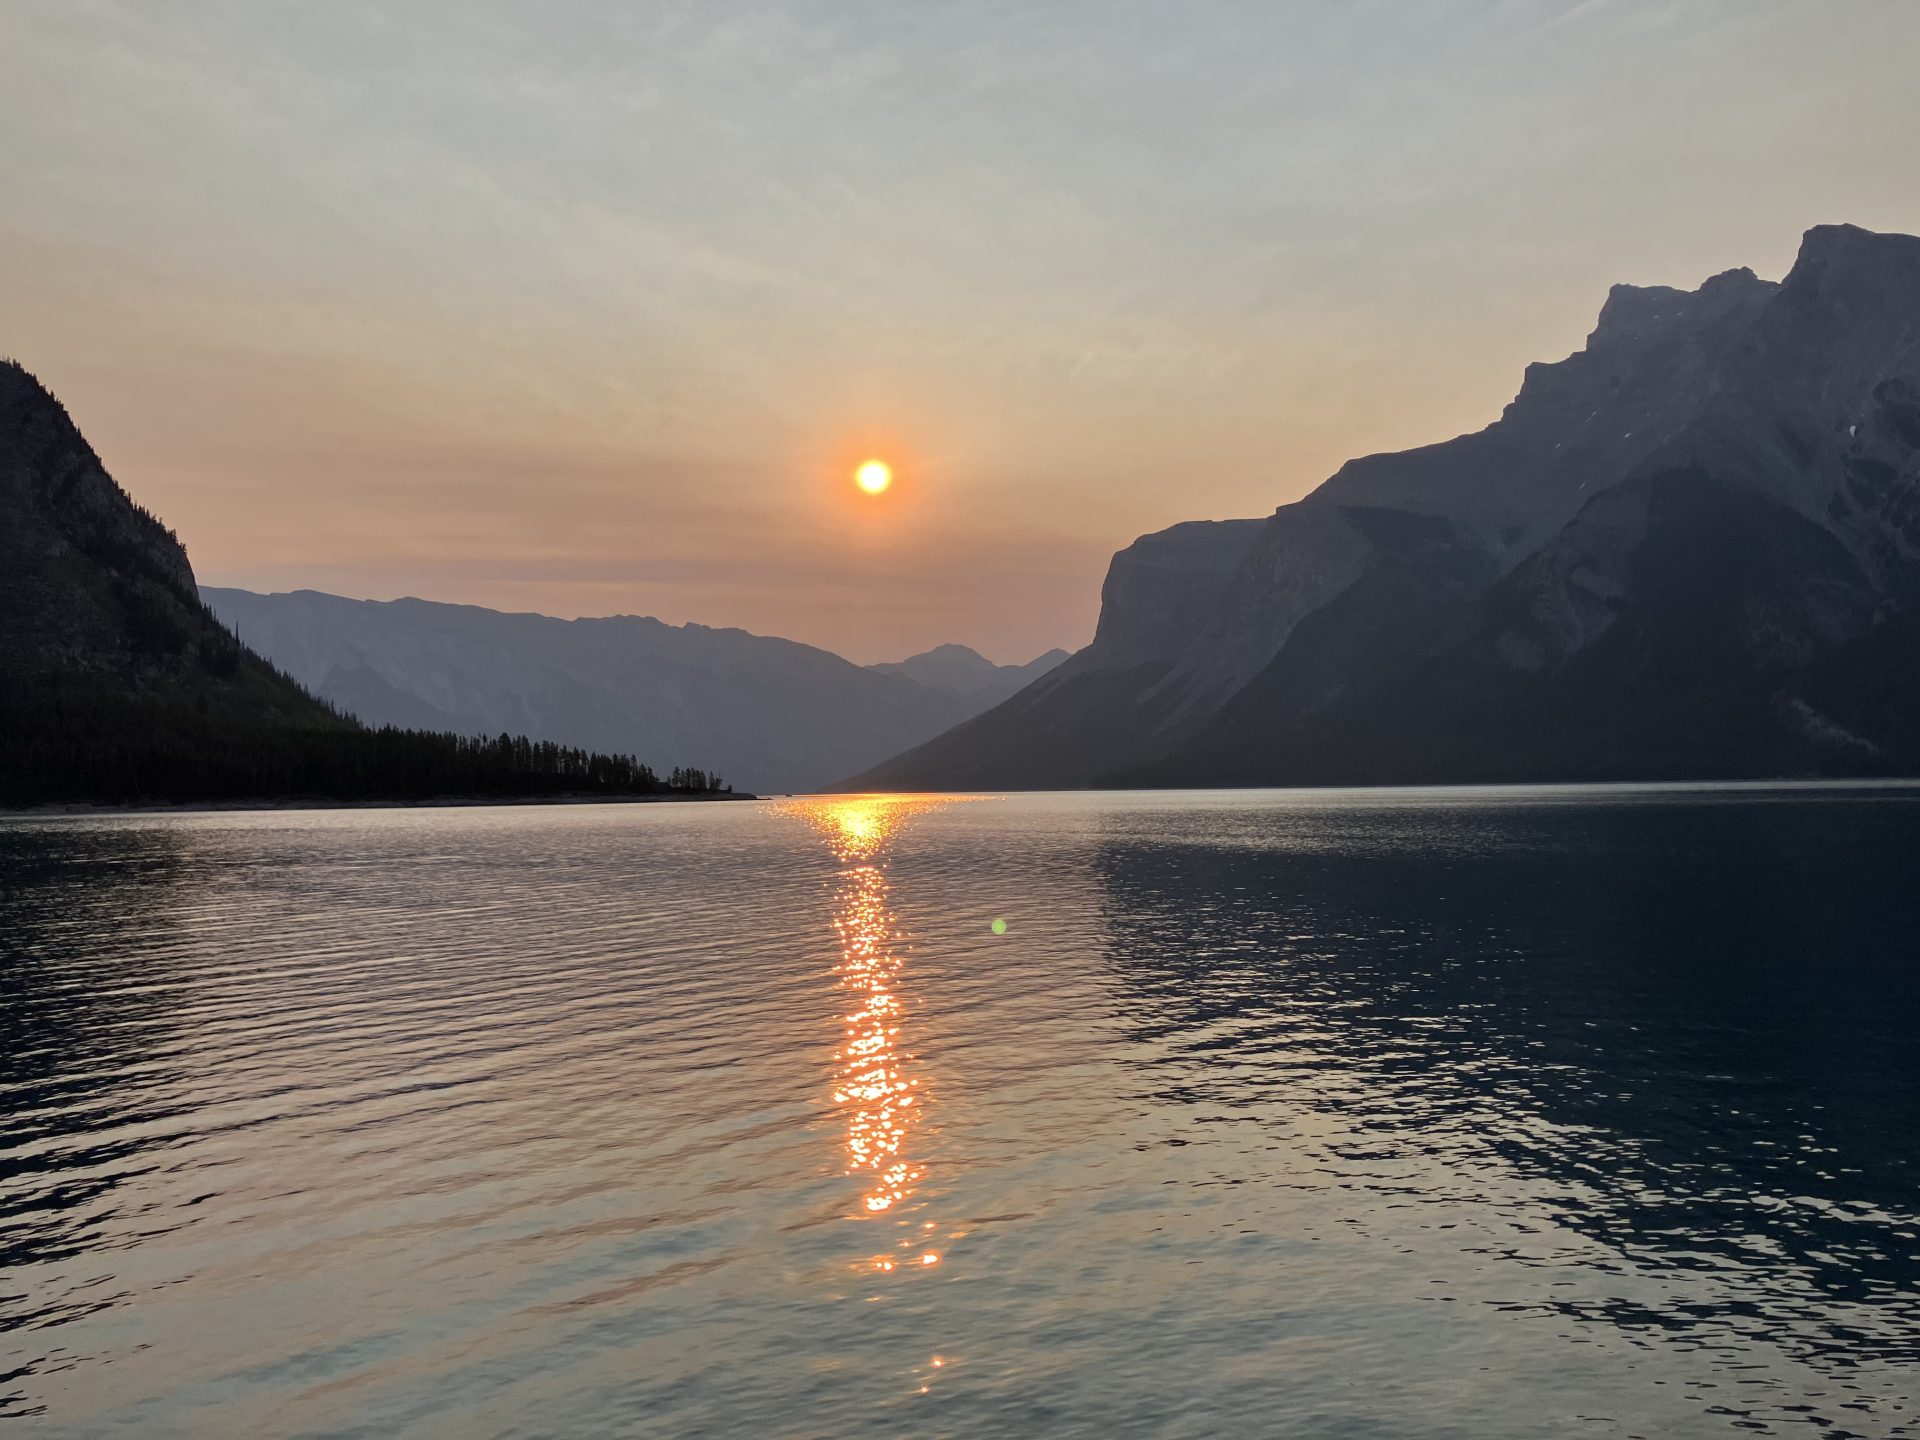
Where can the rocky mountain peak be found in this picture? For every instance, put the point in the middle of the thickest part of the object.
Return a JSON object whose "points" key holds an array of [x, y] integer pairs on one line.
{"points": [[1852, 288], [1691, 548], [1638, 314], [1852, 247], [953, 653]]}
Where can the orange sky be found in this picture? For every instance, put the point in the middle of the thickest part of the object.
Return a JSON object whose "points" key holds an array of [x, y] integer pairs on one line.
{"points": [[592, 308]]}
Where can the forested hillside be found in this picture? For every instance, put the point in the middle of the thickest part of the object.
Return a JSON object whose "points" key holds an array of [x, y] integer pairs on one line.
{"points": [[118, 685]]}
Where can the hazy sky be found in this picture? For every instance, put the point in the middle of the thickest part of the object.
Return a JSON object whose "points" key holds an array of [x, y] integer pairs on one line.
{"points": [[592, 307]]}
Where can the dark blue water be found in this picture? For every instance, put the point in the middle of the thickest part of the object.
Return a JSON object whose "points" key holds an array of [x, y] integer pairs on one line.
{"points": [[1470, 1113]]}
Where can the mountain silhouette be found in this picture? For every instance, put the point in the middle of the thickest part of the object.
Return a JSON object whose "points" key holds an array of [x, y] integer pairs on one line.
{"points": [[962, 671], [1689, 550], [770, 714], [118, 684]]}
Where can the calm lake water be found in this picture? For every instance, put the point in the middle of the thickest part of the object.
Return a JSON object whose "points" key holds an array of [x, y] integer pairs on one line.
{"points": [[1510, 1113]]}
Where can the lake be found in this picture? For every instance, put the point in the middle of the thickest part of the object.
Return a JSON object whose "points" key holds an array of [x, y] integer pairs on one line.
{"points": [[1475, 1113]]}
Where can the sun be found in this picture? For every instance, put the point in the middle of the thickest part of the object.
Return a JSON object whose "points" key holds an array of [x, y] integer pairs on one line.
{"points": [[874, 477]]}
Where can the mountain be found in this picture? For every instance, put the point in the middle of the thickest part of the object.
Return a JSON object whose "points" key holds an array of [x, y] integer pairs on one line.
{"points": [[770, 714], [961, 671], [95, 591], [118, 684], [1689, 550]]}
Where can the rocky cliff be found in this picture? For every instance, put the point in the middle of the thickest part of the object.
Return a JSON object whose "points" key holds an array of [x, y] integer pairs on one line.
{"points": [[1689, 549]]}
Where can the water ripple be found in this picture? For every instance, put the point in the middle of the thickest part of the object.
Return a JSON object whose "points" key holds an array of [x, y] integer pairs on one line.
{"points": [[1487, 1114]]}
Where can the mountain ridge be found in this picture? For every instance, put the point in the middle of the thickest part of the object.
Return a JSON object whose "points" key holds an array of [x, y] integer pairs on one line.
{"points": [[963, 671], [1765, 433], [119, 685], [771, 713]]}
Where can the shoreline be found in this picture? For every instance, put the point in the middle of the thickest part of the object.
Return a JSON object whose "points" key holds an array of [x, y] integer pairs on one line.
{"points": [[65, 809]]}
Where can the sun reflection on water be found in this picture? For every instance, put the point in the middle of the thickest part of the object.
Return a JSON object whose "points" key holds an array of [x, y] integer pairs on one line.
{"points": [[873, 1083]]}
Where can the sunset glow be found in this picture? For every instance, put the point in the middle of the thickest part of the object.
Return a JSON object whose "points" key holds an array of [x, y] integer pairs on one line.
{"points": [[1337, 862]]}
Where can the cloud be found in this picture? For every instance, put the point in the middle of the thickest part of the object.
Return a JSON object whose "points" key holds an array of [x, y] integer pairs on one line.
{"points": [[587, 302]]}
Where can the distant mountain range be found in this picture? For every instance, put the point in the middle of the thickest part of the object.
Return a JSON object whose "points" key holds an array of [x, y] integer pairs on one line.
{"points": [[1690, 550], [118, 685], [968, 675], [768, 714]]}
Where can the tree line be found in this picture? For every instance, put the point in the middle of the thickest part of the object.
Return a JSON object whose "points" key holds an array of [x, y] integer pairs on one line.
{"points": [[65, 747]]}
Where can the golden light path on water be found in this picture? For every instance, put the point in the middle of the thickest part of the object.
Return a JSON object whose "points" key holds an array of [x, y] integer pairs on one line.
{"points": [[874, 1080]]}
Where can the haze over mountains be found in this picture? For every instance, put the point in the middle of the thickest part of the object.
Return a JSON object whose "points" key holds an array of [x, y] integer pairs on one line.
{"points": [[1690, 550], [964, 672], [117, 684], [769, 714], [120, 680]]}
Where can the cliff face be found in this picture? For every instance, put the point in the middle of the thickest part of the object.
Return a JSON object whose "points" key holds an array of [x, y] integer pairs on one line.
{"points": [[1691, 548], [1116, 699]]}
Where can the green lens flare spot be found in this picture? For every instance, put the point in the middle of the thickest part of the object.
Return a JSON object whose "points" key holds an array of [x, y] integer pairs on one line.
{"points": [[999, 927]]}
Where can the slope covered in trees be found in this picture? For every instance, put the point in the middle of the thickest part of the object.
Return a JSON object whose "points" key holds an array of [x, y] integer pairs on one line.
{"points": [[773, 713], [118, 685]]}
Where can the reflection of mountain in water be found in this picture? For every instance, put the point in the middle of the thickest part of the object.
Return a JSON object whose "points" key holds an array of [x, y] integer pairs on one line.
{"points": [[1664, 1048]]}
